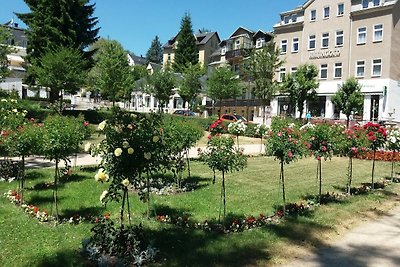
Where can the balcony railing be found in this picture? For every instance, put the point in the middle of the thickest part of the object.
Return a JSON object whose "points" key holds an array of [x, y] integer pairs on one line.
{"points": [[234, 53]]}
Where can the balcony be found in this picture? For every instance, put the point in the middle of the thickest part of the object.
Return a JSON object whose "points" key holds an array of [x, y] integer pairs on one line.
{"points": [[237, 53]]}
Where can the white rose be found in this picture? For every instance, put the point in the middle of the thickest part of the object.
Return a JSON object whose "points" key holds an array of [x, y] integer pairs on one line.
{"points": [[103, 195], [118, 152], [102, 125], [88, 146], [125, 183]]}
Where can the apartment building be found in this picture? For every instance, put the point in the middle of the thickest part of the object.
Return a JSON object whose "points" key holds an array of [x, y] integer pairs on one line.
{"points": [[207, 43], [345, 38]]}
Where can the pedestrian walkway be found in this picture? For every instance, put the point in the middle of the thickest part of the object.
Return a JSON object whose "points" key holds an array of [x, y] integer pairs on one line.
{"points": [[86, 159], [374, 244]]}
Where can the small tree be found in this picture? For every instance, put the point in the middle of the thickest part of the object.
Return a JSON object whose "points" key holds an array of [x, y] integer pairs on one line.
{"points": [[393, 144], [237, 128], [319, 140], [160, 85], [376, 135], [62, 136], [155, 52], [260, 68], [222, 155], [261, 131], [61, 70], [223, 84], [285, 145], [111, 72], [186, 50], [348, 99], [190, 87], [351, 142], [301, 86]]}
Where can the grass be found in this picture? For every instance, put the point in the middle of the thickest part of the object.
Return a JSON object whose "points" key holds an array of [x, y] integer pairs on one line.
{"points": [[25, 242]]}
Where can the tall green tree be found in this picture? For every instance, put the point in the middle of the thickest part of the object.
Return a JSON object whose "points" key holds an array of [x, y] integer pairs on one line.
{"points": [[155, 52], [223, 84], [4, 51], [61, 70], [58, 23], [186, 50], [301, 86], [160, 85], [111, 73], [348, 99], [260, 69], [191, 86]]}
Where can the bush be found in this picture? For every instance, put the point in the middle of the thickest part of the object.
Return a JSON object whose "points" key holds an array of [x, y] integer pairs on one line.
{"points": [[92, 116]]}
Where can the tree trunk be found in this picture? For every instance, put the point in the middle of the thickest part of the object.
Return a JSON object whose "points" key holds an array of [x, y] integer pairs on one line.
{"points": [[283, 189], [54, 95], [55, 189], [347, 121], [263, 112], [188, 161], [122, 209], [22, 180], [224, 198], [373, 171], [220, 108], [320, 179], [349, 175], [392, 172]]}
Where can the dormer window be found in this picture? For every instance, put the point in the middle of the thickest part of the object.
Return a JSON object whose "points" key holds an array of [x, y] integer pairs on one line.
{"points": [[260, 42], [286, 19], [294, 18], [377, 2], [365, 3]]}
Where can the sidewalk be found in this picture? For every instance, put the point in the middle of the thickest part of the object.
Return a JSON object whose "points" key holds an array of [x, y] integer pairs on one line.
{"points": [[374, 244], [86, 159]]}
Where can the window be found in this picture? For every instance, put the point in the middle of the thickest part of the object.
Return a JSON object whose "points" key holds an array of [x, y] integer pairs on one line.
{"points": [[326, 12], [311, 42], [340, 9], [295, 47], [323, 71], [377, 2], [339, 38], [286, 19], [365, 3], [223, 50], [376, 67], [378, 33], [360, 68], [362, 35], [325, 40], [169, 56], [237, 44], [293, 70], [282, 74], [283, 46], [260, 42], [338, 70], [313, 15], [294, 17]]}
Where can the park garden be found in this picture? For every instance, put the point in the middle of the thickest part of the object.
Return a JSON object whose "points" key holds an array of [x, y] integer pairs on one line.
{"points": [[147, 202]]}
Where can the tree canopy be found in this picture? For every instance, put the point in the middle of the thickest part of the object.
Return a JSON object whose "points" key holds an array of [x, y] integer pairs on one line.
{"points": [[160, 85], [191, 86], [186, 50], [260, 69], [155, 52], [223, 84], [301, 86], [111, 73], [4, 51], [348, 99]]}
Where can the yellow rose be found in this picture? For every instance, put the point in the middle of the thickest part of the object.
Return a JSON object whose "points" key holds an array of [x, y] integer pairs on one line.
{"points": [[130, 151], [118, 152], [102, 125], [101, 176], [125, 144], [156, 138], [125, 183]]}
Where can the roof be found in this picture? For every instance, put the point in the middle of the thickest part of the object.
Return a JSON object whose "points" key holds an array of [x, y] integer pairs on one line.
{"points": [[138, 60], [201, 39], [154, 66], [18, 34], [240, 28]]}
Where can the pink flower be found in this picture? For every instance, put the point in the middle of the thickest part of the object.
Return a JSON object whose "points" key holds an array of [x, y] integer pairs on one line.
{"points": [[85, 123], [318, 158], [354, 150], [313, 138], [324, 148], [32, 119], [279, 134], [209, 137], [40, 124], [4, 133], [290, 154]]}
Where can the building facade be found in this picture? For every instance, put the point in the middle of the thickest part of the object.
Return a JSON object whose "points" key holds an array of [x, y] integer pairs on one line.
{"points": [[207, 43], [345, 38]]}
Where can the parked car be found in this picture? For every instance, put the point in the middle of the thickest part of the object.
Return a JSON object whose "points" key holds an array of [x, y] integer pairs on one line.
{"points": [[182, 112], [232, 118]]}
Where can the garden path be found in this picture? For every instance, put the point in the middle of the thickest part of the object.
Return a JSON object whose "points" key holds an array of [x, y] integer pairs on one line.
{"points": [[373, 244], [86, 159]]}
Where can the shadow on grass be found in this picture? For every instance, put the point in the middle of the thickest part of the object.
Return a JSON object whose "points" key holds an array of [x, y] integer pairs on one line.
{"points": [[326, 198], [166, 210], [89, 168], [35, 175], [87, 212], [185, 247], [72, 178], [40, 200], [62, 258]]}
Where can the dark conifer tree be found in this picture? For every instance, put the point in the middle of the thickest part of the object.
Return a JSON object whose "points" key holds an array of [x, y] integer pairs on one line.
{"points": [[186, 50], [155, 52]]}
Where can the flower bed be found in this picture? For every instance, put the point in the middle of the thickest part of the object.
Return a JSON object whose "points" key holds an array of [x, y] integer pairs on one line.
{"points": [[380, 155]]}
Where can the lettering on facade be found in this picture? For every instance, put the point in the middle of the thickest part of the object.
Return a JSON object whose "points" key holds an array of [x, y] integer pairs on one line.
{"points": [[324, 54]]}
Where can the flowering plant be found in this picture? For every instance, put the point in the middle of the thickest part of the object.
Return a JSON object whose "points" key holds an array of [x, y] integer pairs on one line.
{"points": [[237, 128], [217, 128], [393, 144]]}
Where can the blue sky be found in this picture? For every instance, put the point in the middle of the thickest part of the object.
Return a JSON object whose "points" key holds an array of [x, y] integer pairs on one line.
{"points": [[134, 23]]}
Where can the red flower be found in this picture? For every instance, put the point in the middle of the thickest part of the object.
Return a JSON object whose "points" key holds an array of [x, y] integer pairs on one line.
{"points": [[85, 123], [35, 210], [290, 154], [279, 134], [318, 158], [209, 137], [354, 150], [324, 148]]}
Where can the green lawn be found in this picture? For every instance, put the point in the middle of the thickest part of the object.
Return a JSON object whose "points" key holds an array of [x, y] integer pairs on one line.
{"points": [[26, 242]]}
